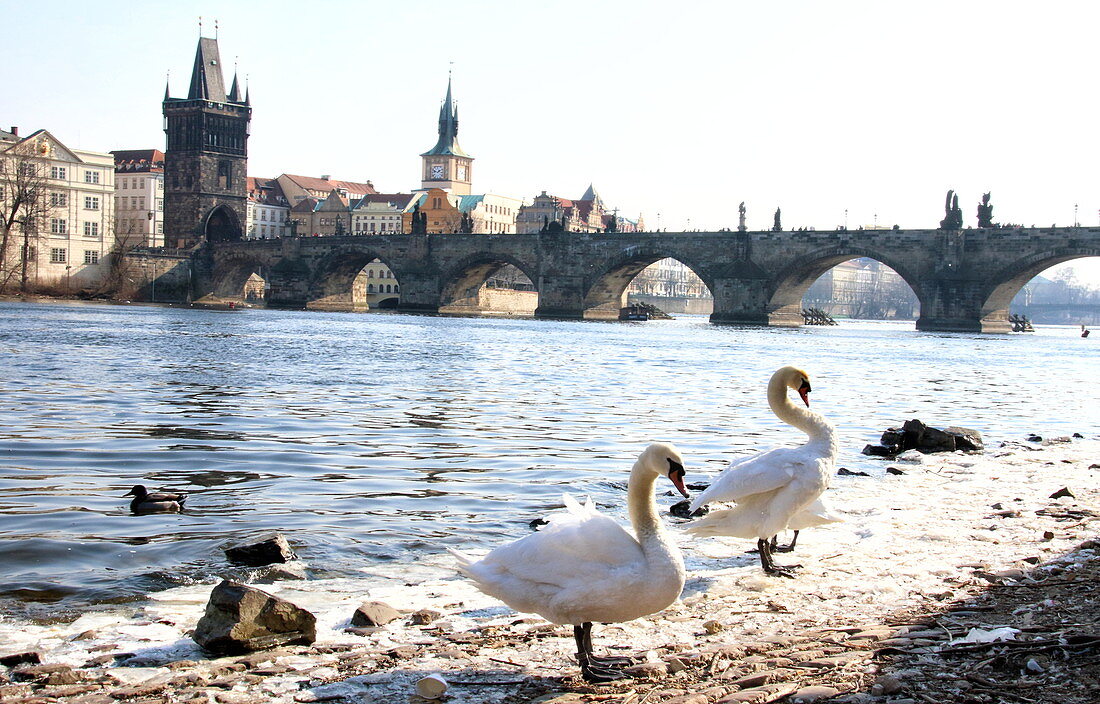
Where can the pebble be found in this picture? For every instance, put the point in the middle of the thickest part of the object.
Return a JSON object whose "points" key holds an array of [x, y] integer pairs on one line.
{"points": [[886, 684], [424, 617], [814, 693], [712, 627]]}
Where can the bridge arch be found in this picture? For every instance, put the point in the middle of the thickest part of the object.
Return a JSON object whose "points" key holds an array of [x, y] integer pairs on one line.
{"points": [[463, 292], [339, 281], [605, 296], [221, 224], [1009, 280], [241, 277], [784, 306]]}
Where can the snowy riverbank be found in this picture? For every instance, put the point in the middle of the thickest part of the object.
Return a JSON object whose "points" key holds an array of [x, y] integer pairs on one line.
{"points": [[945, 529]]}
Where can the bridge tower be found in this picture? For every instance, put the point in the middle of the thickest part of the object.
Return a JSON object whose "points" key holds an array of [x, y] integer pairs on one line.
{"points": [[445, 165], [206, 157]]}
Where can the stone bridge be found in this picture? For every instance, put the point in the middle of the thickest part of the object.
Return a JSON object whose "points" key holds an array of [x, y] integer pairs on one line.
{"points": [[964, 279]]}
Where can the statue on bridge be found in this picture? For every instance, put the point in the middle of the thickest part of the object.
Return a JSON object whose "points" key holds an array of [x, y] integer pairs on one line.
{"points": [[953, 218], [985, 212], [741, 215], [419, 221], [777, 227], [467, 225]]}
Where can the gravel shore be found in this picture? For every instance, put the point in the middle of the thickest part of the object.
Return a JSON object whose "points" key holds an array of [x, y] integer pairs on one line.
{"points": [[896, 604]]}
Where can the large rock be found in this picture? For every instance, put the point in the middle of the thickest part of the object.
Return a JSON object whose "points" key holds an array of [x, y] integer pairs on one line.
{"points": [[266, 552], [374, 613], [915, 435], [241, 619]]}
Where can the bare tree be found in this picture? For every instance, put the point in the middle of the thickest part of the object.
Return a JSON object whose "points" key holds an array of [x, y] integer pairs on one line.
{"points": [[24, 211]]}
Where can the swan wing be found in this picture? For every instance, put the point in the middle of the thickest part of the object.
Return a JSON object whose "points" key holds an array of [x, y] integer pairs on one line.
{"points": [[755, 475], [816, 514], [580, 557]]}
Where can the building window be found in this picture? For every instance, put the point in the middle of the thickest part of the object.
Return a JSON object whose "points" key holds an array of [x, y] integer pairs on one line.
{"points": [[59, 200], [57, 172], [160, 228], [59, 226], [91, 177], [91, 229], [91, 203], [91, 256], [57, 255], [225, 174]]}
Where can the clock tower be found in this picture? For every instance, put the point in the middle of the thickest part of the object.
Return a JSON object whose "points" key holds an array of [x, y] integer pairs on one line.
{"points": [[445, 165]]}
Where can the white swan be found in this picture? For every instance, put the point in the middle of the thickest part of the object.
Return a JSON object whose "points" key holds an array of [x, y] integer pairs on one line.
{"points": [[583, 567], [776, 487]]}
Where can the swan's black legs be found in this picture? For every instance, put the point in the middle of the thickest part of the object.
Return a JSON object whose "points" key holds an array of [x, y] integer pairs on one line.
{"points": [[784, 548], [595, 659], [765, 548], [595, 669]]}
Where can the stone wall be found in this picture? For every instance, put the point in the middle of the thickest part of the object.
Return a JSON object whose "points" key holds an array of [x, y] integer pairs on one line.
{"points": [[504, 301]]}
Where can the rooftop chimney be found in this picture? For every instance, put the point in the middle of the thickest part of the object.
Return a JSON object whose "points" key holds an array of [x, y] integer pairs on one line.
{"points": [[325, 177], [15, 130]]}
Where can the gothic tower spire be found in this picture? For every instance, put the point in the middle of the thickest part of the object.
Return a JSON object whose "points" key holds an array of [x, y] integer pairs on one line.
{"points": [[446, 165]]}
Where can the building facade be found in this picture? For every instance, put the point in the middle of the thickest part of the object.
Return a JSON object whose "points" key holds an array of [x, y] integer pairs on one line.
{"points": [[57, 207], [584, 214], [268, 214], [139, 197], [206, 158]]}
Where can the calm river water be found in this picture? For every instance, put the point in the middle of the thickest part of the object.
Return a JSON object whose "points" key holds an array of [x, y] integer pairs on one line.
{"points": [[372, 439]]}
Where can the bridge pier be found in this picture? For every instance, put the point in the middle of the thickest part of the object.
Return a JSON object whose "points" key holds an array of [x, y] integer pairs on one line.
{"points": [[561, 297], [741, 301], [951, 304]]}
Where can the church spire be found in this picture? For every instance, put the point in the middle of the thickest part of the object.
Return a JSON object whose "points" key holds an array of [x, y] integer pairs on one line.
{"points": [[167, 81], [448, 128], [235, 91]]}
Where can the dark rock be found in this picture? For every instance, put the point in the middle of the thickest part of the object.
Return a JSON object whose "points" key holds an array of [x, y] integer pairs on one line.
{"points": [[1034, 438], [997, 506], [27, 658], [680, 510], [894, 470], [845, 472], [241, 619], [1064, 491], [879, 451], [915, 435], [265, 552], [39, 673], [966, 439], [1079, 436], [374, 613], [892, 438]]}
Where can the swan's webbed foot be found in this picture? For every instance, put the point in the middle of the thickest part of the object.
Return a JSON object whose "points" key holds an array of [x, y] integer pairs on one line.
{"points": [[597, 674], [787, 571], [765, 548], [785, 548], [610, 661], [593, 668]]}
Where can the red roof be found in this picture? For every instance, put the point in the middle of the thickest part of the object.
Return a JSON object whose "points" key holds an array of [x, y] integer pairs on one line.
{"points": [[310, 183], [141, 160]]}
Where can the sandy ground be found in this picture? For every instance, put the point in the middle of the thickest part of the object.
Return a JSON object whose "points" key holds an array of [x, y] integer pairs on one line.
{"points": [[896, 603]]}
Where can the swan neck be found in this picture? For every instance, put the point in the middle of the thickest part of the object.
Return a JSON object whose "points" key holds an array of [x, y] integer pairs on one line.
{"points": [[813, 424], [640, 502]]}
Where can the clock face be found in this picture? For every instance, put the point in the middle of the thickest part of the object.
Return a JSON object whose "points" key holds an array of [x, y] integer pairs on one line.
{"points": [[437, 170], [461, 173]]}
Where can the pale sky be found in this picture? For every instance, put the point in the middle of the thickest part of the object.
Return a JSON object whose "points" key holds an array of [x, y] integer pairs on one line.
{"points": [[676, 111]]}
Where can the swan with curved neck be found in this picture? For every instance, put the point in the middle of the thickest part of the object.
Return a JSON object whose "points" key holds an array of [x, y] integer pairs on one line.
{"points": [[583, 567], [774, 489]]}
